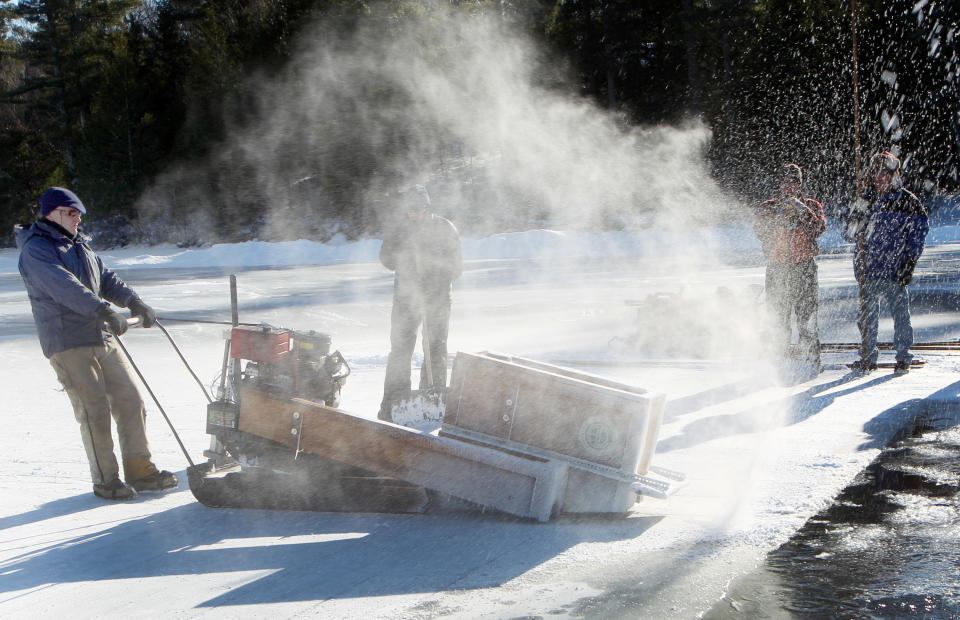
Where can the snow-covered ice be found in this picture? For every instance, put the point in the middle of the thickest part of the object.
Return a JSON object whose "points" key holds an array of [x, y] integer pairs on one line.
{"points": [[760, 456]]}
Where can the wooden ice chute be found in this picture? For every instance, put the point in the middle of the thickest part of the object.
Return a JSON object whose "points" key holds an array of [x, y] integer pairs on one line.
{"points": [[605, 432], [519, 436]]}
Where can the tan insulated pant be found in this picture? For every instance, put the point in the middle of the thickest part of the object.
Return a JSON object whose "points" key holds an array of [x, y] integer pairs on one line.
{"points": [[100, 385]]}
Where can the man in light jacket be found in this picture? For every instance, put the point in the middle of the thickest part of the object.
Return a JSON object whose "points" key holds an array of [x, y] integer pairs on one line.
{"points": [[424, 252]]}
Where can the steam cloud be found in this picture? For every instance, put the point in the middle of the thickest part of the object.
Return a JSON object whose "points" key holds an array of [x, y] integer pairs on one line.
{"points": [[479, 114], [461, 103]]}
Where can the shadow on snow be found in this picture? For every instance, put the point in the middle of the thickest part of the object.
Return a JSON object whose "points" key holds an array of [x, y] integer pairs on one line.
{"points": [[357, 554], [784, 412]]}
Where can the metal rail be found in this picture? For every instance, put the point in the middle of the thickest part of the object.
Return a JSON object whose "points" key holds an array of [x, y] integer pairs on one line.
{"points": [[640, 483], [943, 345], [182, 358], [133, 321], [155, 400], [210, 322]]}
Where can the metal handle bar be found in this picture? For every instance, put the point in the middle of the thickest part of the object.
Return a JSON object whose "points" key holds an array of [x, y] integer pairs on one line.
{"points": [[339, 358], [156, 400], [184, 360], [210, 322], [132, 321]]}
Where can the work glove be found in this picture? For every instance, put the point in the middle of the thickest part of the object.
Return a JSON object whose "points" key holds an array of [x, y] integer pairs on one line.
{"points": [[851, 229], [905, 272], [116, 323], [856, 218], [861, 207], [789, 212], [147, 316]]}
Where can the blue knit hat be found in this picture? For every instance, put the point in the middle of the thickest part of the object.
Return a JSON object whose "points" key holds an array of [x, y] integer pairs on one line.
{"points": [[59, 197]]}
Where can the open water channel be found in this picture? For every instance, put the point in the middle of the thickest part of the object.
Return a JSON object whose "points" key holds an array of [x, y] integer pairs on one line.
{"points": [[886, 548]]}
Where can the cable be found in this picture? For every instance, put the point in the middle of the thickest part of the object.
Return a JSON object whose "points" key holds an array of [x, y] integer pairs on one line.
{"points": [[167, 318], [177, 349]]}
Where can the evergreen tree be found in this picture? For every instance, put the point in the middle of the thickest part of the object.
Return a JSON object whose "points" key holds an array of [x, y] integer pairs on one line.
{"points": [[107, 95]]}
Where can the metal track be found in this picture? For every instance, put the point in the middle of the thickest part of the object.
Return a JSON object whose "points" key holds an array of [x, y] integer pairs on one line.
{"points": [[944, 345], [641, 484], [278, 490], [280, 482]]}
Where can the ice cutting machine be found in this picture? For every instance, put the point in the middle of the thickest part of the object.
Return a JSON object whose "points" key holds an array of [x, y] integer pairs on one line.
{"points": [[518, 436]]}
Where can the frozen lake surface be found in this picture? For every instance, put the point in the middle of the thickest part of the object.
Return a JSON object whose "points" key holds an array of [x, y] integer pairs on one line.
{"points": [[761, 457]]}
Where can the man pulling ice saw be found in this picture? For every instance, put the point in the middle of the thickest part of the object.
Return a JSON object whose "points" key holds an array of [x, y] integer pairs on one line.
{"points": [[70, 293]]}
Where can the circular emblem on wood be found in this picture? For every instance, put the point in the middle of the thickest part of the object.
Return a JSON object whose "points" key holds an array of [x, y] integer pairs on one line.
{"points": [[596, 435]]}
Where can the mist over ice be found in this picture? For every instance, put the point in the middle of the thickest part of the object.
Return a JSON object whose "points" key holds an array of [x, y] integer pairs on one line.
{"points": [[459, 102]]}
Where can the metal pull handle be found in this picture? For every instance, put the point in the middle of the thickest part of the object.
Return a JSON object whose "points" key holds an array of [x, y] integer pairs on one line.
{"points": [[132, 321], [342, 363]]}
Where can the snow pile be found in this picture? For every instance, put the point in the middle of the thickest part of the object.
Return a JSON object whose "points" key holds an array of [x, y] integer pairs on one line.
{"points": [[532, 244]]}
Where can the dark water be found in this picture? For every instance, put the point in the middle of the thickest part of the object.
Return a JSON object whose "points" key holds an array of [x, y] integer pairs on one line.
{"points": [[888, 547]]}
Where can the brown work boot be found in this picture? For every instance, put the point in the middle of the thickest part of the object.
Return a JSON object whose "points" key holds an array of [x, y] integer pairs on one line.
{"points": [[137, 467], [115, 489], [157, 481]]}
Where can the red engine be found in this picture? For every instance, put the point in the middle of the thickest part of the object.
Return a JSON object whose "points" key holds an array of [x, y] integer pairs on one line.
{"points": [[289, 363]]}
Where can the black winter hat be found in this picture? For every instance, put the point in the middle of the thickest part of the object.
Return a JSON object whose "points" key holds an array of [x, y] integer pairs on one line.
{"points": [[59, 197]]}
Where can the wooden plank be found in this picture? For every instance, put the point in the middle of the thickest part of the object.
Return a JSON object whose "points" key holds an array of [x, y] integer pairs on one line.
{"points": [[526, 487], [652, 434], [554, 408], [567, 372]]}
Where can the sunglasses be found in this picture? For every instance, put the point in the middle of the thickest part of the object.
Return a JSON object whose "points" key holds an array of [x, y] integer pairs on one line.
{"points": [[68, 211]]}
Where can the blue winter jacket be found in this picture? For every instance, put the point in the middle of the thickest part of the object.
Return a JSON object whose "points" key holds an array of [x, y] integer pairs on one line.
{"points": [[894, 235], [67, 284]]}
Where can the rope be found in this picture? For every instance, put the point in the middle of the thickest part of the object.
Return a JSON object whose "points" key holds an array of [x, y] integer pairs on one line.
{"points": [[167, 318], [177, 349]]}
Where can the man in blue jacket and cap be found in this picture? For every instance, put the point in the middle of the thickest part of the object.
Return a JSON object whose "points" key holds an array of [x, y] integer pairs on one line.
{"points": [[891, 226], [70, 293]]}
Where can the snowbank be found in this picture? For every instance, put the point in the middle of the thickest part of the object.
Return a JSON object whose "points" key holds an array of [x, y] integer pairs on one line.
{"points": [[543, 244], [531, 244]]}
